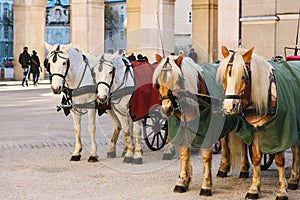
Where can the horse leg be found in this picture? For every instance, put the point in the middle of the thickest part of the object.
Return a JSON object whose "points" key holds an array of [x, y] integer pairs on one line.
{"points": [[186, 171], [225, 159], [169, 151], [78, 145], [253, 192], [293, 182], [111, 152], [206, 187], [245, 165], [92, 129], [282, 190], [129, 148], [137, 131]]}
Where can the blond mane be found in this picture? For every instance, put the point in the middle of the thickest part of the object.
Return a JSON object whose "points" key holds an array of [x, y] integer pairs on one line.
{"points": [[188, 71], [260, 72]]}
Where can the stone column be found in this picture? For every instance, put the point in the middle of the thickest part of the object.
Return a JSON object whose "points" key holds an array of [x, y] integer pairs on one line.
{"points": [[29, 30], [133, 25], [205, 29], [87, 25], [150, 27]]}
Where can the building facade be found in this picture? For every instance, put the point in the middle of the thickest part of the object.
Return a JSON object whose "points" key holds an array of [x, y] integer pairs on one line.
{"points": [[57, 22], [6, 28]]}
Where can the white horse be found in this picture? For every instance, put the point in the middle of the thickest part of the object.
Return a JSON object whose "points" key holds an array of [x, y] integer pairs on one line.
{"points": [[115, 85], [72, 74]]}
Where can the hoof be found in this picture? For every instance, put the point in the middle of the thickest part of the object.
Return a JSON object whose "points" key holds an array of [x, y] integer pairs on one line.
{"points": [[111, 154], [293, 186], [137, 161], [180, 189], [244, 175], [75, 158], [92, 159], [251, 196], [127, 160], [282, 198], [221, 174], [205, 192], [123, 154]]}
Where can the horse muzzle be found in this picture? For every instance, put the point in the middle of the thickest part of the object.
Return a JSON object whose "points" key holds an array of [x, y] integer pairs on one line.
{"points": [[102, 100], [167, 112], [57, 90], [231, 107]]}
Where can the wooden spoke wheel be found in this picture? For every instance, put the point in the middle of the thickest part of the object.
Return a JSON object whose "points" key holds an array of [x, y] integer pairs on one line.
{"points": [[155, 130], [266, 159]]}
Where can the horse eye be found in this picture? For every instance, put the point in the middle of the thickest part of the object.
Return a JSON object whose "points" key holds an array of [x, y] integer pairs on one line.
{"points": [[110, 72], [64, 63], [243, 78]]}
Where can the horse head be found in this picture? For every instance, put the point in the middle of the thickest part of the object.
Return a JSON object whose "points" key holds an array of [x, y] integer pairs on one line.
{"points": [[234, 75], [58, 63], [105, 75], [168, 78]]}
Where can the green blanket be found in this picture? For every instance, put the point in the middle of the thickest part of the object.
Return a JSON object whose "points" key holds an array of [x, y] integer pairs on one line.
{"points": [[282, 130], [204, 130]]}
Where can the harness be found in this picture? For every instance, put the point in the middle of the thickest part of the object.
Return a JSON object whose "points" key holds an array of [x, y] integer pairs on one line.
{"points": [[247, 109], [179, 100], [67, 102], [121, 90]]}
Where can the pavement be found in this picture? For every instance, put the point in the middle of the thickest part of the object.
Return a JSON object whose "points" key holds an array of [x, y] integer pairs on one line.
{"points": [[36, 143]]}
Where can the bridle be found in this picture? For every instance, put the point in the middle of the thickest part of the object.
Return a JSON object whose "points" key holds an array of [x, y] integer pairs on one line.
{"points": [[56, 53], [169, 95], [101, 62], [240, 96]]}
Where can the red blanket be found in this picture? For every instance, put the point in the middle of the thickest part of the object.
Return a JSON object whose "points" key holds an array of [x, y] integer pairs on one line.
{"points": [[145, 96]]}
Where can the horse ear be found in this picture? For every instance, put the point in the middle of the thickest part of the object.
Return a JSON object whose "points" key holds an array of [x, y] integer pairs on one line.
{"points": [[178, 61], [158, 58], [225, 51], [247, 55], [49, 47], [68, 47]]}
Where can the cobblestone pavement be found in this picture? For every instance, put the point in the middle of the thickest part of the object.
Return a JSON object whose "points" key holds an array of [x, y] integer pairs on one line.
{"points": [[36, 143]]}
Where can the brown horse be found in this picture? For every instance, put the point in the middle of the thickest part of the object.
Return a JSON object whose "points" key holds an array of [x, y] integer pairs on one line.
{"points": [[178, 81], [265, 97]]}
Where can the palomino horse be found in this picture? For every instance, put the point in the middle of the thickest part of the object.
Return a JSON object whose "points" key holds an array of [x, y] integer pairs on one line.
{"points": [[179, 81], [72, 75], [115, 85], [266, 97]]}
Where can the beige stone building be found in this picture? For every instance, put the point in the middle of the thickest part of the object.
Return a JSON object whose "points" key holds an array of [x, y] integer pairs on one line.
{"points": [[268, 25]]}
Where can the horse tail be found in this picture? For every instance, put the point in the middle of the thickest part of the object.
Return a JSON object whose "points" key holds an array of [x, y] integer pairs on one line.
{"points": [[235, 146]]}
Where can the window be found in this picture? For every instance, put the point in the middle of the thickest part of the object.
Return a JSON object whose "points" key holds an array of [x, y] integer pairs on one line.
{"points": [[190, 17], [122, 19], [110, 35], [122, 35]]}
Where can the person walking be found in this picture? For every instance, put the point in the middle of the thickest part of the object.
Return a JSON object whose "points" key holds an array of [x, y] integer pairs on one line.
{"points": [[35, 68], [24, 60], [193, 55]]}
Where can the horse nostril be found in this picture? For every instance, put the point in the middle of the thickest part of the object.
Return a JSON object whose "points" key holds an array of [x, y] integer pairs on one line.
{"points": [[102, 100]]}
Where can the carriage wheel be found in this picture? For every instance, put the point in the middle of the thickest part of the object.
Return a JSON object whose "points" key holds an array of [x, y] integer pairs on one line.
{"points": [[266, 160], [155, 130]]}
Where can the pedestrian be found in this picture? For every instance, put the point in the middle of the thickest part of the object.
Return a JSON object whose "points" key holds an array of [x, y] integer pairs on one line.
{"points": [[24, 60], [193, 55], [35, 68]]}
